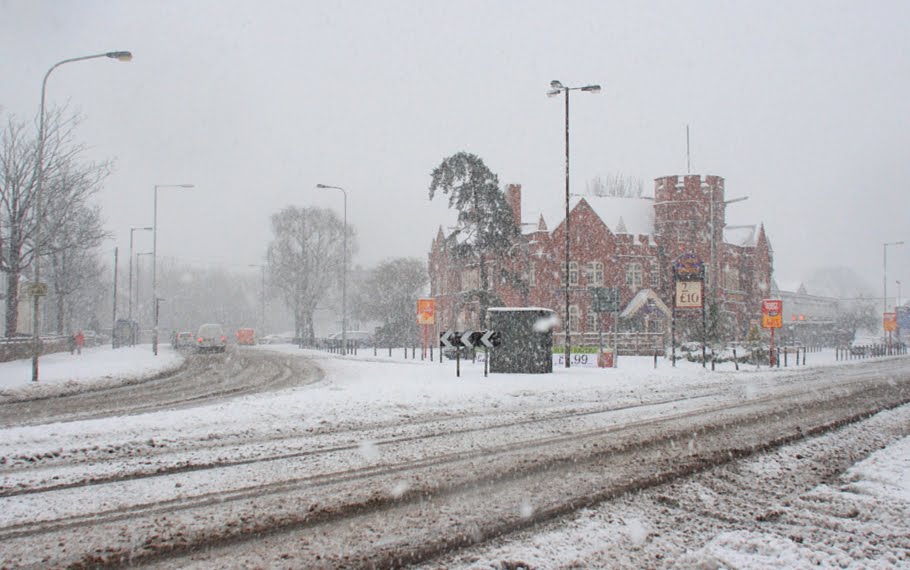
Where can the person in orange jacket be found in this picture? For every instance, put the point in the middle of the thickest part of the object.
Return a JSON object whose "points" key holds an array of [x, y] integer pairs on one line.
{"points": [[80, 341]]}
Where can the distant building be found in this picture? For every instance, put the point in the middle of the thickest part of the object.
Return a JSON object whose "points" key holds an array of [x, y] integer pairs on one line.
{"points": [[624, 243]]}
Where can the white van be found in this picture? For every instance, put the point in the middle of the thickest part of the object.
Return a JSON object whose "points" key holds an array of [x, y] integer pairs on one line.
{"points": [[211, 338]]}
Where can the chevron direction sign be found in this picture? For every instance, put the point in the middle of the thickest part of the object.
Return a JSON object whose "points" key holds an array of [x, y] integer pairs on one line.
{"points": [[469, 339]]}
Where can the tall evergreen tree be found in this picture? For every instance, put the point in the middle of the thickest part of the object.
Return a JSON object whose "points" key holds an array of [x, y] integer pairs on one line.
{"points": [[486, 227]]}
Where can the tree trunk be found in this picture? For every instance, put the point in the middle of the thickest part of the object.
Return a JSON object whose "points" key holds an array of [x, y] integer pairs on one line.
{"points": [[61, 304], [310, 330], [12, 303]]}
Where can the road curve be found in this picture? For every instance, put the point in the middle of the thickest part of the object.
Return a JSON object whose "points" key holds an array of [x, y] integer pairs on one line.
{"points": [[201, 379]]}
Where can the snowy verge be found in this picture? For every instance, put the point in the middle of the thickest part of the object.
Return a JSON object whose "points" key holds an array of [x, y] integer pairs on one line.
{"points": [[96, 367]]}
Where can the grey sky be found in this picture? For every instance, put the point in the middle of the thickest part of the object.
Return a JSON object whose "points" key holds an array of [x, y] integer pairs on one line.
{"points": [[801, 106]]}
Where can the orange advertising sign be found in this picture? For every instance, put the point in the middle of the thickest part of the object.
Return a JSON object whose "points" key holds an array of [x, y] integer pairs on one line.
{"points": [[889, 321], [426, 311], [772, 314]]}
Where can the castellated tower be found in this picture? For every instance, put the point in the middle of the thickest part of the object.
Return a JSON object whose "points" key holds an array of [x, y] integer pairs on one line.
{"points": [[689, 217]]}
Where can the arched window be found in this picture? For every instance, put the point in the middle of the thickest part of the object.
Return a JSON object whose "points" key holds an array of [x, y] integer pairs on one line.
{"points": [[592, 321]]}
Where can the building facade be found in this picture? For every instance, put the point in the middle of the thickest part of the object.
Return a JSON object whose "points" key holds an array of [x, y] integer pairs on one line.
{"points": [[627, 244]]}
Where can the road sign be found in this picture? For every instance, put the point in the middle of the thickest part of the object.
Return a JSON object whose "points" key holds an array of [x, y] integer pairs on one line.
{"points": [[37, 289], [772, 311], [470, 339], [447, 340], [688, 266], [605, 299], [426, 311], [490, 339], [689, 295], [889, 322]]}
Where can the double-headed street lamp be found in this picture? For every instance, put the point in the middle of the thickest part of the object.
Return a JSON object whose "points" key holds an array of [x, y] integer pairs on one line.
{"points": [[556, 88], [39, 180], [155, 258], [344, 270], [132, 230]]}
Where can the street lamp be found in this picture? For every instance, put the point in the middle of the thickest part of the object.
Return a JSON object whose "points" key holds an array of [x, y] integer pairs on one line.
{"points": [[138, 283], [555, 89], [155, 258], [344, 270], [145, 229], [885, 273], [261, 298], [39, 179]]}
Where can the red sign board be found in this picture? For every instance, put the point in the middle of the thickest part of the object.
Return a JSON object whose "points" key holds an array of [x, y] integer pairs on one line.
{"points": [[772, 313], [889, 321], [426, 311]]}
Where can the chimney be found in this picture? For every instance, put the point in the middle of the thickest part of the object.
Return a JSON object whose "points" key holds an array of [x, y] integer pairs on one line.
{"points": [[513, 197]]}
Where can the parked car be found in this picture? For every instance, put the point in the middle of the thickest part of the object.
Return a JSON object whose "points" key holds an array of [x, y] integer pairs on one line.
{"points": [[184, 340], [360, 339], [211, 338]]}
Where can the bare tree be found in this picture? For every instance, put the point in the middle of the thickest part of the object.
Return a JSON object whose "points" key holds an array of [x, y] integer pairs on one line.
{"points": [[305, 260], [389, 294], [616, 184], [68, 185]]}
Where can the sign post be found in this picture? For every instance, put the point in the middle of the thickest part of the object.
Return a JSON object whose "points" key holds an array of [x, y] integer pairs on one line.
{"points": [[772, 311], [426, 317], [689, 285], [606, 300], [889, 323]]}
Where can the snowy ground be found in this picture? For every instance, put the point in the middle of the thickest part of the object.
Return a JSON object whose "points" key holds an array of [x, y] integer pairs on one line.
{"points": [[93, 366], [379, 391]]}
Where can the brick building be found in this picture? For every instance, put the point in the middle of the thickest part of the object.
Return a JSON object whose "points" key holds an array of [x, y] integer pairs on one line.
{"points": [[624, 243]]}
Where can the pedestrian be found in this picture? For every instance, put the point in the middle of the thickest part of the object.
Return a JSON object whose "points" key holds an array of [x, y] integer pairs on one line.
{"points": [[71, 342], [80, 342]]}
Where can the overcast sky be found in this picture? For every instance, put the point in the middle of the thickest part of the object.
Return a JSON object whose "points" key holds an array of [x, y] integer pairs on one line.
{"points": [[801, 106]]}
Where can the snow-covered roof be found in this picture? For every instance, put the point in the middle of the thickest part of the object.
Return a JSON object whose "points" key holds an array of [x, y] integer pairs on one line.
{"points": [[639, 300], [622, 215], [743, 236]]}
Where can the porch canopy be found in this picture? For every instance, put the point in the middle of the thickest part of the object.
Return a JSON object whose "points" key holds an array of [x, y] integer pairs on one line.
{"points": [[644, 298]]}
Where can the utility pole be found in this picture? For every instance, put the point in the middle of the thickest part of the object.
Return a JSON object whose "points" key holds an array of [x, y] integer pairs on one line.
{"points": [[114, 319]]}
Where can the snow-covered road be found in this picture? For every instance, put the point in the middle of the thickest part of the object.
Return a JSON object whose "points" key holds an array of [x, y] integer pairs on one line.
{"points": [[390, 462]]}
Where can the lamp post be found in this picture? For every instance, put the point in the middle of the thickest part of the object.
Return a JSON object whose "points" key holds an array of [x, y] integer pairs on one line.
{"points": [[261, 298], [146, 229], [885, 273], [897, 302], [344, 270], [556, 88], [139, 281], [155, 258], [39, 179]]}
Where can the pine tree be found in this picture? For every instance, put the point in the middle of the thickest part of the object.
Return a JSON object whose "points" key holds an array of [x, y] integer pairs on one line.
{"points": [[486, 227]]}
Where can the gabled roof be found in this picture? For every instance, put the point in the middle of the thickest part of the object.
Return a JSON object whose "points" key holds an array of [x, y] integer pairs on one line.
{"points": [[742, 236], [639, 301], [624, 215], [621, 215]]}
